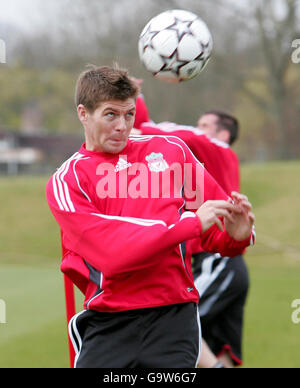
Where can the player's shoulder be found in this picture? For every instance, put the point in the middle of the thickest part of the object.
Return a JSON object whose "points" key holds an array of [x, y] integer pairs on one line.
{"points": [[220, 146], [71, 168], [164, 139]]}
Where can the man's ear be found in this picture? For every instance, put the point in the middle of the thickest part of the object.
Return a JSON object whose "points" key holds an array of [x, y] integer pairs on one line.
{"points": [[82, 113], [223, 135]]}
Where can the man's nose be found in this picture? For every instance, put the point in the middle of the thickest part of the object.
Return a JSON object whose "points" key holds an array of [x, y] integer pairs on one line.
{"points": [[121, 124]]}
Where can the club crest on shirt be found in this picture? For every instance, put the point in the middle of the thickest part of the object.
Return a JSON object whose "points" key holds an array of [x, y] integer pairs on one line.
{"points": [[156, 162]]}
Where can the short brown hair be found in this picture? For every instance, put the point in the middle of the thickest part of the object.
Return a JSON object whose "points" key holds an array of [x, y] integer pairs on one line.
{"points": [[227, 122], [104, 83]]}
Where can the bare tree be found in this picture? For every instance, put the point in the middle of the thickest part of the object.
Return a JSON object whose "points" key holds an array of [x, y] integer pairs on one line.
{"points": [[276, 36], [251, 57], [275, 26]]}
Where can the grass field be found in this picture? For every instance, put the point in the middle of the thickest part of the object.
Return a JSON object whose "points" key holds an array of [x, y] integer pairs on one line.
{"points": [[31, 284]]}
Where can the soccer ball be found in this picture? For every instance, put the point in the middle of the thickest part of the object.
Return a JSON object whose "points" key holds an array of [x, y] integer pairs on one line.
{"points": [[175, 45]]}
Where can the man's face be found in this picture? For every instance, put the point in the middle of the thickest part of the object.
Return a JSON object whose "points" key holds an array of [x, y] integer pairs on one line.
{"points": [[209, 124], [108, 127]]}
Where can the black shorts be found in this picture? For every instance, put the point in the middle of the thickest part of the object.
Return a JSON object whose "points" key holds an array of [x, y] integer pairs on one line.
{"points": [[222, 283], [160, 337]]}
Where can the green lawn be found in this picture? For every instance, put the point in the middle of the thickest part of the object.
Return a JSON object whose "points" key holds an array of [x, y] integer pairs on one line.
{"points": [[271, 339], [34, 335], [31, 284]]}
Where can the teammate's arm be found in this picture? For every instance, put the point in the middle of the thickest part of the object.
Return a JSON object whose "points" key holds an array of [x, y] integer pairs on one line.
{"points": [[232, 219]]}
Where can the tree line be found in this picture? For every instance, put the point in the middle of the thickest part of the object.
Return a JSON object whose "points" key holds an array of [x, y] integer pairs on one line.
{"points": [[251, 73]]}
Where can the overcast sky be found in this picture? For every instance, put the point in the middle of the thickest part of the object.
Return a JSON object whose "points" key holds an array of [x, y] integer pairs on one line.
{"points": [[30, 15], [16, 11]]}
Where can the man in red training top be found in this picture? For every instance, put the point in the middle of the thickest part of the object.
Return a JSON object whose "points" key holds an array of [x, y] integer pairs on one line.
{"points": [[126, 206], [222, 284]]}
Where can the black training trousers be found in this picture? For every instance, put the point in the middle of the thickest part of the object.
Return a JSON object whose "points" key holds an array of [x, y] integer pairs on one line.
{"points": [[160, 337]]}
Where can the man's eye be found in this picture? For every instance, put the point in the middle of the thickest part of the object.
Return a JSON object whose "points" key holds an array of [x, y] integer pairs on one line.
{"points": [[110, 114]]}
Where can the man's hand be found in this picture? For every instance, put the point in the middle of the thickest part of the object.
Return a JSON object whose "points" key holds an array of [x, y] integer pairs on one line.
{"points": [[237, 215], [210, 212], [239, 225]]}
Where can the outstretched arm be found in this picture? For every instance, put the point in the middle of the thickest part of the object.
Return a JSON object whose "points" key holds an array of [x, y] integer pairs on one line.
{"points": [[112, 244], [227, 223]]}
